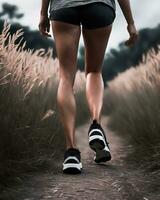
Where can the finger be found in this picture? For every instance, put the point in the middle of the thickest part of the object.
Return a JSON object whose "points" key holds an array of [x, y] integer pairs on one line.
{"points": [[48, 28], [43, 32], [47, 34], [127, 43], [131, 40]]}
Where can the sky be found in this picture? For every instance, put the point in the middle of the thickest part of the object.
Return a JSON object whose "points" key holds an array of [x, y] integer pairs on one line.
{"points": [[145, 12]]}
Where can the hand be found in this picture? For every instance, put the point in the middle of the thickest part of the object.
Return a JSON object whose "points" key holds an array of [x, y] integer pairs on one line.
{"points": [[133, 35], [44, 26]]}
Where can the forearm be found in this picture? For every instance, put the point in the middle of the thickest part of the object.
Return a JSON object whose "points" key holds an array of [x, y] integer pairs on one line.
{"points": [[126, 9], [44, 7]]}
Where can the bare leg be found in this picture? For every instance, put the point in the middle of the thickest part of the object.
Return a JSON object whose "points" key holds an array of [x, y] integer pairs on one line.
{"points": [[95, 45], [94, 93], [66, 40]]}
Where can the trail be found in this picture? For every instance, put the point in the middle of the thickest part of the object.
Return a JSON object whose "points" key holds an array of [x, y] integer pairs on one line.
{"points": [[114, 180]]}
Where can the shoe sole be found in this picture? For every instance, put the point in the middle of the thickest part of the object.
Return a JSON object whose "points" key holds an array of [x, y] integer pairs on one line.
{"points": [[102, 156], [99, 146], [72, 170]]}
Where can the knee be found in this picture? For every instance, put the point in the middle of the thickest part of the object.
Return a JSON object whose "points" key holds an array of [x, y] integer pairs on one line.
{"points": [[66, 75], [66, 80], [94, 69], [93, 72]]}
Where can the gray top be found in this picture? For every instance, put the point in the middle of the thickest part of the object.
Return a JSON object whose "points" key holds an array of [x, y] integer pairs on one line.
{"points": [[57, 4]]}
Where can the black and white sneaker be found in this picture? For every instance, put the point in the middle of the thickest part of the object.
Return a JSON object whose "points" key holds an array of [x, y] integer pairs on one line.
{"points": [[72, 161], [98, 142]]}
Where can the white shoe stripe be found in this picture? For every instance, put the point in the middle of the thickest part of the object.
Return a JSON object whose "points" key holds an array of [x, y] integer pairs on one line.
{"points": [[71, 157], [106, 148], [72, 165], [98, 130]]}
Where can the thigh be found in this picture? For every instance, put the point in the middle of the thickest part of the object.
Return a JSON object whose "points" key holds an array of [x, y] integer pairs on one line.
{"points": [[95, 41], [66, 37]]}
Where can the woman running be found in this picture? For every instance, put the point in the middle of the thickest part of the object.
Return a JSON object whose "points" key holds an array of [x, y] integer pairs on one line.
{"points": [[96, 18]]}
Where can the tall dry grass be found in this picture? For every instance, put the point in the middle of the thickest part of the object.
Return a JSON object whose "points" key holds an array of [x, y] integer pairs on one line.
{"points": [[132, 102], [30, 131]]}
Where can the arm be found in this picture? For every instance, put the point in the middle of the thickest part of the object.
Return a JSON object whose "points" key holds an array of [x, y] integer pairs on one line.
{"points": [[44, 24], [126, 9], [44, 7]]}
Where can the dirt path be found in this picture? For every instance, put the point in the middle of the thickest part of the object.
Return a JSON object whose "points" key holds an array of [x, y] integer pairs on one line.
{"points": [[111, 181]]}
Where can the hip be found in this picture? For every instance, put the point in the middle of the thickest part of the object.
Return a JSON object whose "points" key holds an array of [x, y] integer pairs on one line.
{"points": [[91, 15]]}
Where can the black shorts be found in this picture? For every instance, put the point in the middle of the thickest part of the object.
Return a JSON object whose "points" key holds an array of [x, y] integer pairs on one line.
{"points": [[90, 16]]}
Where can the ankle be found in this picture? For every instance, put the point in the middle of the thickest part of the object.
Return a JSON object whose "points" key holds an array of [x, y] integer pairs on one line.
{"points": [[70, 146], [97, 120]]}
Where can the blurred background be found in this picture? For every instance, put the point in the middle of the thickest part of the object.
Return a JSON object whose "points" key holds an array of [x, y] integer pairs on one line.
{"points": [[118, 57], [31, 135], [146, 15]]}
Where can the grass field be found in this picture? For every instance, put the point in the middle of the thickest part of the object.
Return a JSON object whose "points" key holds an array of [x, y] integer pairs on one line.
{"points": [[132, 102], [30, 130]]}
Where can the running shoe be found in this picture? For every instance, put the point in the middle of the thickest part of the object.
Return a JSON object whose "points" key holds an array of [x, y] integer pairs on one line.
{"points": [[98, 142], [72, 161]]}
